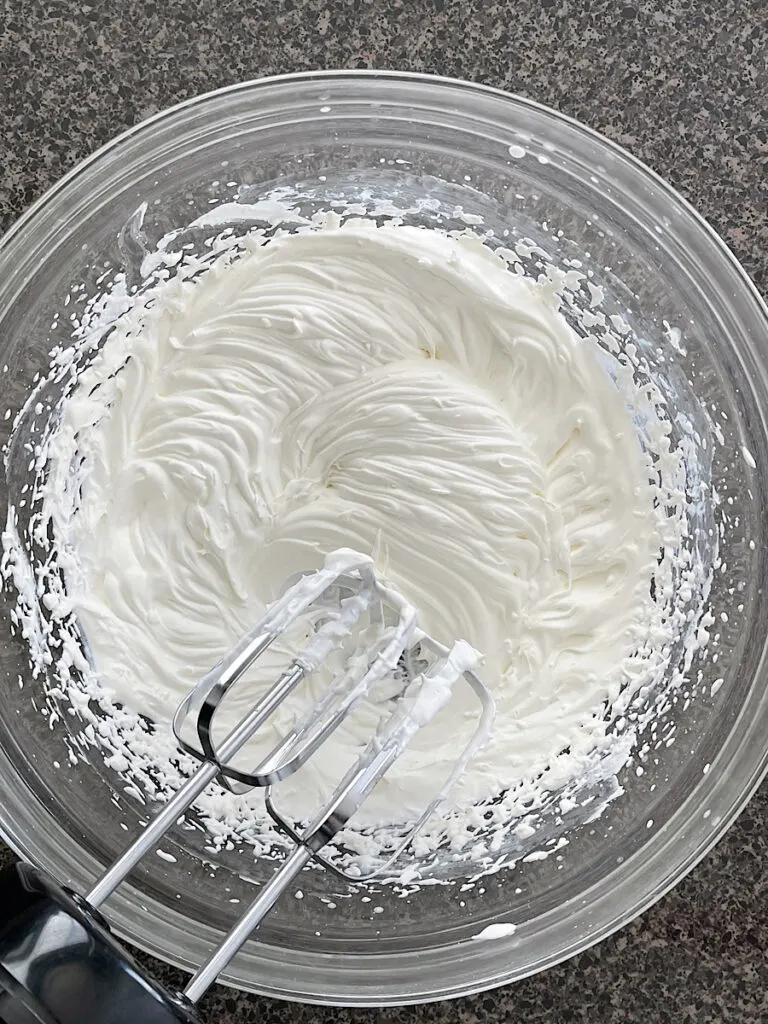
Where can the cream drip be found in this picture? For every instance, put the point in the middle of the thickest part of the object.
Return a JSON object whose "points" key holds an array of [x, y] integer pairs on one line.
{"points": [[392, 390]]}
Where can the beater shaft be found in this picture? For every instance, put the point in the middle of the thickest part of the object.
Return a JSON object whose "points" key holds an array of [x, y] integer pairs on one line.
{"points": [[208, 972]]}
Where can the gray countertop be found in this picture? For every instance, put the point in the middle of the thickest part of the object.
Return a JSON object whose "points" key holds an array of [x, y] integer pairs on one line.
{"points": [[684, 86]]}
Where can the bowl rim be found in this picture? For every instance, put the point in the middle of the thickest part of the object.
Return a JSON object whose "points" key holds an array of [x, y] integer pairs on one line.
{"points": [[409, 969], [339, 74]]}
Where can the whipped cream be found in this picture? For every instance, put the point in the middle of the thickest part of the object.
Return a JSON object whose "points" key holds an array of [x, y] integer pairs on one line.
{"points": [[274, 394], [392, 390]]}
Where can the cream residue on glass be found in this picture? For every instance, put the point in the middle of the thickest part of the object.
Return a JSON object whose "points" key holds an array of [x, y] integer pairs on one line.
{"points": [[399, 391]]}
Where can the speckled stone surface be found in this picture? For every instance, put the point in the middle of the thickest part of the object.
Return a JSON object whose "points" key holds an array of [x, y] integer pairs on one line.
{"points": [[684, 86]]}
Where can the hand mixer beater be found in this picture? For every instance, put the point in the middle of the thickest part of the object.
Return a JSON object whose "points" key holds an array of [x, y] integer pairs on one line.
{"points": [[60, 964]]}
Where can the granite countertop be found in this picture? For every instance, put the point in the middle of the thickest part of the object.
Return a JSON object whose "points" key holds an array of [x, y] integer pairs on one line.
{"points": [[684, 86]]}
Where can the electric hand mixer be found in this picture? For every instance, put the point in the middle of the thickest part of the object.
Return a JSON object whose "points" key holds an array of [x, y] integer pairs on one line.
{"points": [[59, 963]]}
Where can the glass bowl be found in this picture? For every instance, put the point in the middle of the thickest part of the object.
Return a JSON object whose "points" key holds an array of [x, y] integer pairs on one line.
{"points": [[527, 170]]}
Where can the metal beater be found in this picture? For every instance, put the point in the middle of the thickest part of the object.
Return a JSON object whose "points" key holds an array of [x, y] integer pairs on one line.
{"points": [[60, 964]]}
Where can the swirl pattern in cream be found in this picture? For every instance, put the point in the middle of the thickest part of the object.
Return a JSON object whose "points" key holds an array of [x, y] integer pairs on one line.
{"points": [[392, 390]]}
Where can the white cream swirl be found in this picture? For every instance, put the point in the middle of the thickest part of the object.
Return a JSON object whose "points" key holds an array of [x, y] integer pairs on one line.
{"points": [[399, 392]]}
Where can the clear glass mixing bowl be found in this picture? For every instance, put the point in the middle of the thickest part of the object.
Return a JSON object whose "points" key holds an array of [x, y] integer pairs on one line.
{"points": [[530, 171]]}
